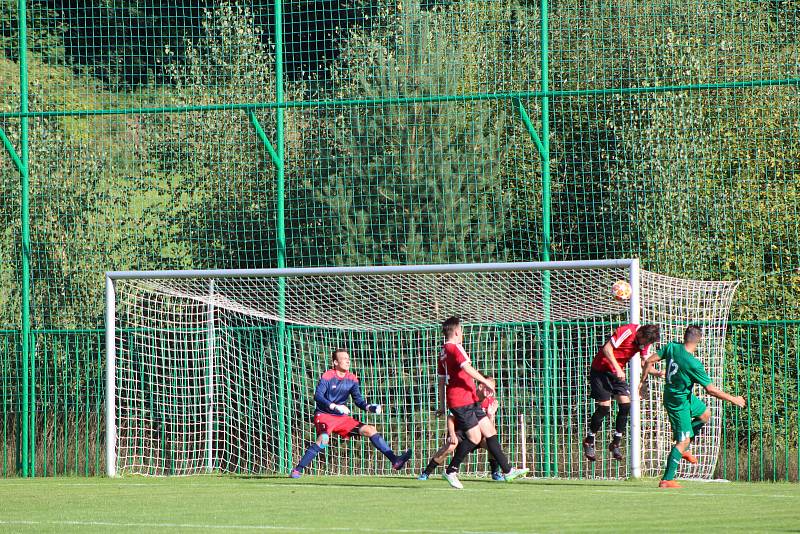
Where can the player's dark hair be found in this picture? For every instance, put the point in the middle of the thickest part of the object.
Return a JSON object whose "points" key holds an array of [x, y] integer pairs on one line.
{"points": [[450, 325], [648, 334], [693, 334], [336, 352]]}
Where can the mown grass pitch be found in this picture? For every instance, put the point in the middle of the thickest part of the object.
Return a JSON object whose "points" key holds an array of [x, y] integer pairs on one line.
{"points": [[391, 505]]}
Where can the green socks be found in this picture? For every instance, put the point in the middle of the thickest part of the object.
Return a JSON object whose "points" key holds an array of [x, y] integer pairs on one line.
{"points": [[672, 464]]}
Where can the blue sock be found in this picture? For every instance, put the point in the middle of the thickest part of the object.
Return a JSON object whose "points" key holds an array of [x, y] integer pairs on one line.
{"points": [[384, 447], [312, 451]]}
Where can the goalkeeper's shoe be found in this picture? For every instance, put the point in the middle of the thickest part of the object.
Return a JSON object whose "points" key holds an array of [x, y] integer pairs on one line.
{"points": [[401, 460], [669, 484], [588, 450], [689, 457], [498, 476], [423, 476], [295, 474], [452, 479], [515, 473], [615, 451]]}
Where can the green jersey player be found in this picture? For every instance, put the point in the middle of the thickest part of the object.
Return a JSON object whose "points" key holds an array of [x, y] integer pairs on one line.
{"points": [[687, 413]]}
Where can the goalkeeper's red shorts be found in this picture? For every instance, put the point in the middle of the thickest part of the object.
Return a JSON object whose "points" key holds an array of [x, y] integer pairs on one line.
{"points": [[344, 425]]}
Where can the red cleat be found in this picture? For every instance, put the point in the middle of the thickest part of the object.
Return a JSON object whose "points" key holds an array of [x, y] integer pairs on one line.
{"points": [[669, 484], [689, 457]]}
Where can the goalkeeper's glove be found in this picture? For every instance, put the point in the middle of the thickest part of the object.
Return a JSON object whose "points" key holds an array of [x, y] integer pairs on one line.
{"points": [[375, 408], [340, 408]]}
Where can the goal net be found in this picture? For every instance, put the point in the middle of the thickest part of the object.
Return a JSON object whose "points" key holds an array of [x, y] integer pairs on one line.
{"points": [[214, 371]]}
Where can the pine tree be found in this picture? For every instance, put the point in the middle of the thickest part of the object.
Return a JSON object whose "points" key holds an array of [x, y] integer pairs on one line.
{"points": [[419, 181]]}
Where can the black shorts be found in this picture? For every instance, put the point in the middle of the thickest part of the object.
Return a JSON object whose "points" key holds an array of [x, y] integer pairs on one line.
{"points": [[467, 417], [606, 385]]}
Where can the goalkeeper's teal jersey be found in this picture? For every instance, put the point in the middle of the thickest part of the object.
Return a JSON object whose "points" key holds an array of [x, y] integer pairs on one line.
{"points": [[683, 371]]}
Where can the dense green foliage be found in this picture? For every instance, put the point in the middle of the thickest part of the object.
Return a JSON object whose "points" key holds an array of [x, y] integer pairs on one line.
{"points": [[697, 183]]}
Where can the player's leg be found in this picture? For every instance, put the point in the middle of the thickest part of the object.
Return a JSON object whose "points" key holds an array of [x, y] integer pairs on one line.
{"points": [[467, 422], [315, 448], [681, 422], [438, 459], [700, 414], [623, 412], [601, 393], [494, 466], [489, 432], [461, 451], [379, 443]]}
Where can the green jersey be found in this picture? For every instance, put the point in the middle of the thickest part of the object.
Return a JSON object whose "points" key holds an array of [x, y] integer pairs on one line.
{"points": [[683, 371]]}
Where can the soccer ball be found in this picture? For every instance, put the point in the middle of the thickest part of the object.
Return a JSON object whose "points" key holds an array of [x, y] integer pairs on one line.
{"points": [[621, 291]]}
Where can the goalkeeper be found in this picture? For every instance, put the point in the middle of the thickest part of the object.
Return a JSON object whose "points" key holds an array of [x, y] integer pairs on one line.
{"points": [[332, 416], [490, 405], [687, 414]]}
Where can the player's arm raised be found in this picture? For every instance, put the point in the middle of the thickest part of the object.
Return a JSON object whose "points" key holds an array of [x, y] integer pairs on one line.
{"points": [[649, 369], [649, 366], [714, 391], [699, 375], [608, 352]]}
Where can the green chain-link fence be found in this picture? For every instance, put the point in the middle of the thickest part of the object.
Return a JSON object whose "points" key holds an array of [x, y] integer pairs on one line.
{"points": [[175, 134]]}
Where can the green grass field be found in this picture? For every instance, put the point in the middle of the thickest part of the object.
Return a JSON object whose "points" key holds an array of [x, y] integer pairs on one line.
{"points": [[392, 505]]}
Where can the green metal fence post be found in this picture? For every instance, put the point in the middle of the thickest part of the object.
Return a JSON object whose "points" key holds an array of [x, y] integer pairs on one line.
{"points": [[550, 464], [284, 440], [28, 438]]}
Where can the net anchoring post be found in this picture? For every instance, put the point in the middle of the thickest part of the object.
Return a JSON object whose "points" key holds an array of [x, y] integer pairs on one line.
{"points": [[111, 366], [211, 340], [635, 372]]}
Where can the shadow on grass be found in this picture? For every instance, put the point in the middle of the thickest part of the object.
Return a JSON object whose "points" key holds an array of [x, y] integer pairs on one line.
{"points": [[412, 483]]}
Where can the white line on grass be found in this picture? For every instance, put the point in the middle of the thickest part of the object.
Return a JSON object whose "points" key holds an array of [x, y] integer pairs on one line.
{"points": [[200, 526]]}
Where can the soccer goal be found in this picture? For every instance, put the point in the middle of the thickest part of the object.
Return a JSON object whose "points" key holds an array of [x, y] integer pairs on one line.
{"points": [[214, 371]]}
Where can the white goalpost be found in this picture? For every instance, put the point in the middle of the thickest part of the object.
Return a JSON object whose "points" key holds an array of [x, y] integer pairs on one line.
{"points": [[214, 371]]}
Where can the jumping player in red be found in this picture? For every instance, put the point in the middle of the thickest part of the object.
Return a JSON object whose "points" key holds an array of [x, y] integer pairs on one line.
{"points": [[457, 386], [607, 380], [332, 415]]}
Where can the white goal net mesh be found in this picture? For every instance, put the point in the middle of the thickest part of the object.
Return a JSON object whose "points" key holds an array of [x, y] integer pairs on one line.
{"points": [[218, 374]]}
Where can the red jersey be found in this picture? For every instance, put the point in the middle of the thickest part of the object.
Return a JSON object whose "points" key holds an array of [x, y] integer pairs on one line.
{"points": [[460, 386], [625, 348]]}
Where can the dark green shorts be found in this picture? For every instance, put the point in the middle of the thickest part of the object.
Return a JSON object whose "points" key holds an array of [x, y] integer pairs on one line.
{"points": [[680, 419]]}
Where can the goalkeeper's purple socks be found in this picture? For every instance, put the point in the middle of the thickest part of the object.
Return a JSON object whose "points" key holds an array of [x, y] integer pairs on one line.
{"points": [[380, 444], [311, 453]]}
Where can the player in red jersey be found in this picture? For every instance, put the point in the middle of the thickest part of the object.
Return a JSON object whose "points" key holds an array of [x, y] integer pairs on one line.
{"points": [[332, 416], [490, 405], [457, 389], [607, 380]]}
